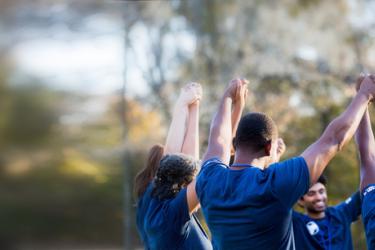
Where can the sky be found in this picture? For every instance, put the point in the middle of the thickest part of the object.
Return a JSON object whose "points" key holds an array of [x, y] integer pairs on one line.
{"points": [[91, 59]]}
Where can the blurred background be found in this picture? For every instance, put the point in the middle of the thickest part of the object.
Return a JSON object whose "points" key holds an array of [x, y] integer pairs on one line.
{"points": [[86, 88]]}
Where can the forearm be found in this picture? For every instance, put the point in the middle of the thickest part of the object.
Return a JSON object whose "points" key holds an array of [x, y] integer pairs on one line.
{"points": [[365, 140], [342, 129], [236, 117], [191, 141], [336, 135], [177, 129]]}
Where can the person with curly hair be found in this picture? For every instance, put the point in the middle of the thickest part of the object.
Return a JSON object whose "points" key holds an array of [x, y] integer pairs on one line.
{"points": [[166, 201], [166, 210]]}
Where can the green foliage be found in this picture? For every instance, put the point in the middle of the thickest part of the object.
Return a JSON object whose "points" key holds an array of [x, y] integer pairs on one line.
{"points": [[28, 115], [44, 205]]}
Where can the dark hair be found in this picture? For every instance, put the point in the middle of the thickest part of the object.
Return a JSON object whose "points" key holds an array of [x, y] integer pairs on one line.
{"points": [[145, 176], [322, 179], [174, 173], [255, 131]]}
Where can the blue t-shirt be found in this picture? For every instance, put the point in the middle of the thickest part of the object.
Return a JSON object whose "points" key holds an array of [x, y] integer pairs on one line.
{"points": [[368, 214], [167, 224], [251, 208], [330, 233]]}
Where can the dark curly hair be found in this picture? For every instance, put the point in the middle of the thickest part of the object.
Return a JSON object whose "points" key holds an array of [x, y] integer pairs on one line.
{"points": [[254, 131], [174, 173]]}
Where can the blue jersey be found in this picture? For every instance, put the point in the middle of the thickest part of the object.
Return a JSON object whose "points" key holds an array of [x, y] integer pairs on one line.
{"points": [[167, 224], [251, 208], [331, 232], [368, 214]]}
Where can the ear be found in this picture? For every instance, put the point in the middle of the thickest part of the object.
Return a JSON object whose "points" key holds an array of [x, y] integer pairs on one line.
{"points": [[234, 143], [267, 148]]}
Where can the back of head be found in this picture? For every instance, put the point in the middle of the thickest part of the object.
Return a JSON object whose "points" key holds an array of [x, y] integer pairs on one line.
{"points": [[254, 131], [175, 172], [145, 176]]}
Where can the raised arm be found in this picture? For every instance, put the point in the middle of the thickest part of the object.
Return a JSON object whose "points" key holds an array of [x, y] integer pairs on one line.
{"points": [[338, 132], [281, 147], [178, 127], [191, 141], [219, 142], [220, 139], [238, 106], [366, 147]]}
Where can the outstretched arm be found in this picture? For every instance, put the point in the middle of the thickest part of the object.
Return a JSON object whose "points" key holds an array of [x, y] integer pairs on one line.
{"points": [[366, 147], [177, 129], [220, 136], [191, 141], [338, 132], [220, 139], [238, 106]]}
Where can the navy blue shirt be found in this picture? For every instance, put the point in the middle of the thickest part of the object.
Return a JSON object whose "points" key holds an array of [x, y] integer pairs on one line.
{"points": [[368, 214], [251, 208], [167, 224], [331, 232]]}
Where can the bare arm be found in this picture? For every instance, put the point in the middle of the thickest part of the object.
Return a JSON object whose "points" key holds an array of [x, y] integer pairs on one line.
{"points": [[193, 149], [238, 106], [219, 141], [366, 147], [191, 141], [338, 132], [281, 147], [178, 127]]}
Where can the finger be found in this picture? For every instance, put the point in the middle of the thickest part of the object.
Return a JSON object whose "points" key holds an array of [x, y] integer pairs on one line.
{"points": [[237, 80], [359, 80], [238, 89], [245, 81]]}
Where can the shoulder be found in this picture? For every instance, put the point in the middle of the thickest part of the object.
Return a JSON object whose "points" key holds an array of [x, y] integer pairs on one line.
{"points": [[210, 166], [146, 195], [337, 213], [297, 216], [295, 162], [213, 162], [293, 169]]}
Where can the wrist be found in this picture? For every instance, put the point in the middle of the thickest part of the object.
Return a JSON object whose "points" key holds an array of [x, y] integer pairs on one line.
{"points": [[227, 98], [194, 104], [238, 105], [180, 107], [366, 95]]}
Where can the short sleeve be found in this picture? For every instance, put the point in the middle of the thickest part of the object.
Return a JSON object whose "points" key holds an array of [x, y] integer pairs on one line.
{"points": [[206, 171], [368, 214], [290, 180], [178, 210], [351, 207], [210, 163]]}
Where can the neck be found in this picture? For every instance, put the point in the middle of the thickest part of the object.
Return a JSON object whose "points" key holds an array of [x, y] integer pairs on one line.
{"points": [[316, 215], [254, 159]]}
